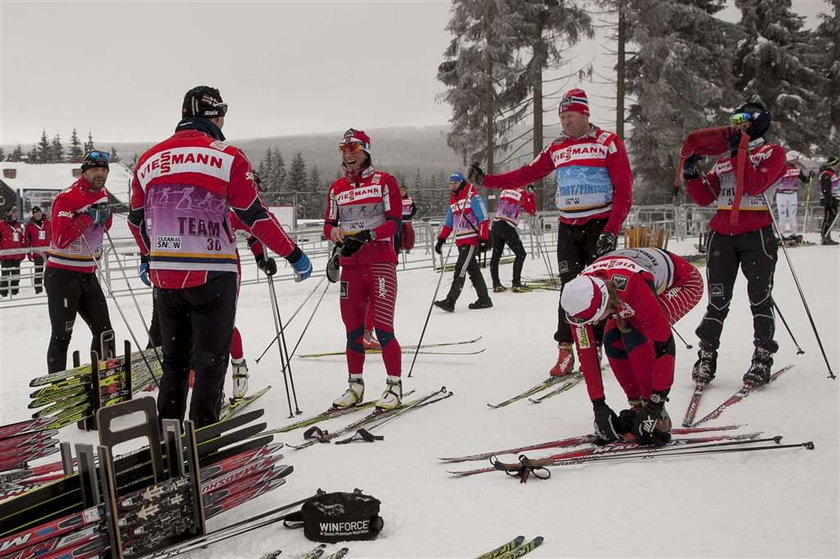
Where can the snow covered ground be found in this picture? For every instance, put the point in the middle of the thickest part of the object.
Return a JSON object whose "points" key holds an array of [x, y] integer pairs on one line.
{"points": [[768, 504]]}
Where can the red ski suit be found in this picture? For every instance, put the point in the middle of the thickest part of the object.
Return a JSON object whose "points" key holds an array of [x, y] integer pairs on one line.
{"points": [[12, 237], [38, 235], [71, 223], [656, 289], [372, 201]]}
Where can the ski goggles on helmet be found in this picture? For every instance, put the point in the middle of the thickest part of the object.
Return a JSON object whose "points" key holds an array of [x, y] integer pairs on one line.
{"points": [[351, 147], [742, 117], [97, 155]]}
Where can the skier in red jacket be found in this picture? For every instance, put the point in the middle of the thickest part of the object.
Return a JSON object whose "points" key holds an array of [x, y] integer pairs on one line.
{"points": [[594, 194], [80, 217], [181, 193], [37, 234], [11, 237], [363, 213], [640, 293]]}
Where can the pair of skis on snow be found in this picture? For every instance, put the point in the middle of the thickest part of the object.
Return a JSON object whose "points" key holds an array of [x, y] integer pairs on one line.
{"points": [[517, 547], [317, 553], [427, 349], [560, 384], [743, 392]]}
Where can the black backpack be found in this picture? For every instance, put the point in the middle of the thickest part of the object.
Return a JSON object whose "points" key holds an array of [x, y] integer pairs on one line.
{"points": [[335, 517]]}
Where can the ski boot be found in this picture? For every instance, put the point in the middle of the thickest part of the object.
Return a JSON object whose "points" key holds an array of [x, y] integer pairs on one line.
{"points": [[706, 366], [828, 241], [354, 393], [446, 304], [565, 361], [759, 372], [240, 377], [481, 303], [392, 397], [520, 288], [499, 288]]}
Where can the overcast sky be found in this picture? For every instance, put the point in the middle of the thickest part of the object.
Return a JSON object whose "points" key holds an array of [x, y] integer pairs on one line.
{"points": [[121, 69]]}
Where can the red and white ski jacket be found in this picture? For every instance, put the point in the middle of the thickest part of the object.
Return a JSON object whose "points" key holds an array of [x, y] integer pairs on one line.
{"points": [[767, 163], [73, 230], [182, 191], [11, 237], [512, 202], [468, 214], [593, 176], [370, 201]]}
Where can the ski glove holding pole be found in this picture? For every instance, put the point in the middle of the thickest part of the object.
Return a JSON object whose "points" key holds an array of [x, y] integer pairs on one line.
{"points": [[351, 244], [143, 270], [607, 242], [99, 213], [300, 262], [439, 246], [268, 265], [690, 170]]}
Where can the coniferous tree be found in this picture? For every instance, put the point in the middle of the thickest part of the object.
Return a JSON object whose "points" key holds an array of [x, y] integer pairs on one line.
{"points": [[76, 153], [317, 194], [280, 176], [776, 65], [43, 149], [828, 107], [89, 145], [680, 79], [479, 67], [16, 155], [2, 154], [297, 184], [56, 152], [32, 156]]}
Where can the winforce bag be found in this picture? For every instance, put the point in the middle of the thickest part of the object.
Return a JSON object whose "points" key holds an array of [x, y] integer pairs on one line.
{"points": [[335, 517]]}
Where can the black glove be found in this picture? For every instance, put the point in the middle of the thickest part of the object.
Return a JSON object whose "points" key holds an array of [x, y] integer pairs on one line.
{"points": [[690, 167], [605, 423], [651, 425], [607, 242], [352, 243], [267, 265], [485, 245], [733, 139], [439, 245], [475, 174]]}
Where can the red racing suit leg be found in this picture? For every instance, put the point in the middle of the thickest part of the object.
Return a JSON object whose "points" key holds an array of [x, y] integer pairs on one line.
{"points": [[684, 294], [370, 286]]}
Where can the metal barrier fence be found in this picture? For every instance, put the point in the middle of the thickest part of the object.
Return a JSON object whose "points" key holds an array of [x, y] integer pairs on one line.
{"points": [[539, 235]]}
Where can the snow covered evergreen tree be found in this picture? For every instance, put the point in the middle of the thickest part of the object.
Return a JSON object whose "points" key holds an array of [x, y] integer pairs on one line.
{"points": [[478, 70], [680, 79], [56, 152], [828, 44], [42, 149], [776, 64], [16, 155], [75, 148]]}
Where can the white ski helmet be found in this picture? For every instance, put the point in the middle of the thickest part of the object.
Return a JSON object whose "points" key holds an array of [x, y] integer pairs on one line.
{"points": [[793, 156]]}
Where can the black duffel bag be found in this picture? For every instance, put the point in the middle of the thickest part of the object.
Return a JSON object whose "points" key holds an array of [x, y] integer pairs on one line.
{"points": [[336, 517]]}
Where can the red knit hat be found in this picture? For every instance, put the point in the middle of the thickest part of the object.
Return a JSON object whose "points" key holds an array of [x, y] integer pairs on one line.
{"points": [[353, 136], [574, 101], [584, 299]]}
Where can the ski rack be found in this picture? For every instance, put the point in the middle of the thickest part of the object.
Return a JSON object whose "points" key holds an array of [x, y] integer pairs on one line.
{"points": [[171, 468], [114, 366]]}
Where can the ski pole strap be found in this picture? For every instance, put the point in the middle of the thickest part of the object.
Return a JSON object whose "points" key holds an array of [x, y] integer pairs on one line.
{"points": [[314, 432], [361, 434]]}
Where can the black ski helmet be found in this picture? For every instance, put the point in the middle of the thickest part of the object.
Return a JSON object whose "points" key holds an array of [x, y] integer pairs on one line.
{"points": [[759, 118]]}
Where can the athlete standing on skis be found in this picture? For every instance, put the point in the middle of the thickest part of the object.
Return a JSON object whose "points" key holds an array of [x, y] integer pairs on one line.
{"points": [[80, 217], [512, 202], [747, 243], [829, 197], [468, 214], [364, 212], [182, 191], [787, 198], [640, 293], [594, 195]]}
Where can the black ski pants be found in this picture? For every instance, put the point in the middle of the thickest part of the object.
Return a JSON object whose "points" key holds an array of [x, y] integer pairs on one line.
{"points": [[196, 326], [755, 253], [828, 219], [473, 270], [10, 277], [70, 293], [38, 280], [504, 232], [575, 251]]}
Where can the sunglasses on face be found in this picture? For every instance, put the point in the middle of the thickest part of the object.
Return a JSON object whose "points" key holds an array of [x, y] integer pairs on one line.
{"points": [[352, 147]]}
